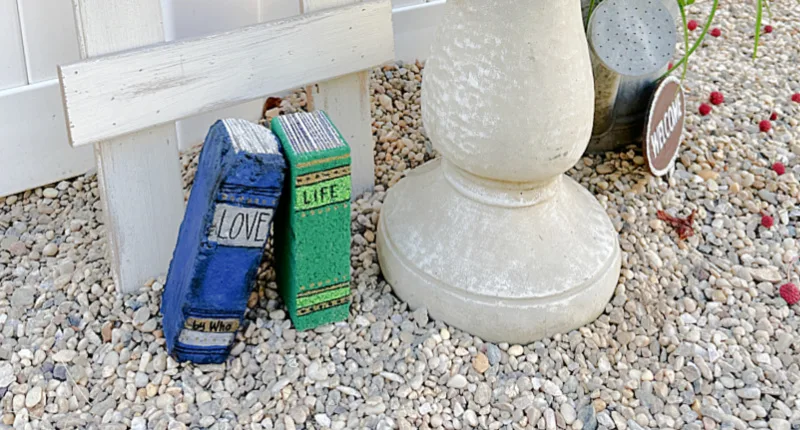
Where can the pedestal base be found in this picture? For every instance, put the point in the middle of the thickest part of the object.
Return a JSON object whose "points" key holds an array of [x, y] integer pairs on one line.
{"points": [[505, 263]]}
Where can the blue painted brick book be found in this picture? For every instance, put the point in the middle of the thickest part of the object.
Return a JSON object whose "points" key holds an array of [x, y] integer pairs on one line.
{"points": [[221, 241]]}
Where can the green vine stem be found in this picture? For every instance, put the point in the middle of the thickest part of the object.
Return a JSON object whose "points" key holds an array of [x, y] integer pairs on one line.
{"points": [[699, 39], [759, 12], [682, 7], [591, 9]]}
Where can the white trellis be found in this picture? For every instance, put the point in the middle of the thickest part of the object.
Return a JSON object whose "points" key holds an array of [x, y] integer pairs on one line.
{"points": [[128, 91]]}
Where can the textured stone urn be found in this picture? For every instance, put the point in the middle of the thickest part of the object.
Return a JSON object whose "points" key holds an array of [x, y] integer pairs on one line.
{"points": [[493, 238]]}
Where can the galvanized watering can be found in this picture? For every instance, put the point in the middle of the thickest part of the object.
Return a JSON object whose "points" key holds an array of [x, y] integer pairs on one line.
{"points": [[628, 59]]}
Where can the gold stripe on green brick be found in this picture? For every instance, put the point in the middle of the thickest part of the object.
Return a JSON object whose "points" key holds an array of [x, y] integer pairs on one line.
{"points": [[322, 161], [313, 178], [322, 306], [310, 292], [323, 296]]}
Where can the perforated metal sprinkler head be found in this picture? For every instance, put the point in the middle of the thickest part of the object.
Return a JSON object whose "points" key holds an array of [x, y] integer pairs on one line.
{"points": [[627, 38]]}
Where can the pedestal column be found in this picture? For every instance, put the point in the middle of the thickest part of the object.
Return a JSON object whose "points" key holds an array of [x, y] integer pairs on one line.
{"points": [[493, 238]]}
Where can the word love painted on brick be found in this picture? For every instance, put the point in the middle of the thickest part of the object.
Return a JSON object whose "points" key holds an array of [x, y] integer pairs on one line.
{"points": [[240, 226], [664, 129]]}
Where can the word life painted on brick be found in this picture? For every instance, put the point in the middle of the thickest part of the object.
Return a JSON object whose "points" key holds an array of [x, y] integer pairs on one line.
{"points": [[323, 193]]}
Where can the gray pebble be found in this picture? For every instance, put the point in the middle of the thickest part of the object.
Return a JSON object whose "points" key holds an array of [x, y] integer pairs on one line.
{"points": [[749, 393], [138, 423], [7, 374], [60, 372], [457, 381], [568, 413], [141, 379], [483, 394], [493, 353], [421, 317], [23, 297], [587, 416]]}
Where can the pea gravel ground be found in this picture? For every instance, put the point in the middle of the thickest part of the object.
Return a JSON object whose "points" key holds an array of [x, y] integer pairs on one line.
{"points": [[695, 337]]}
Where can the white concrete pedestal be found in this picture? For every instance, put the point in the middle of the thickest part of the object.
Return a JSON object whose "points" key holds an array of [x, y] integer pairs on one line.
{"points": [[500, 271], [494, 239]]}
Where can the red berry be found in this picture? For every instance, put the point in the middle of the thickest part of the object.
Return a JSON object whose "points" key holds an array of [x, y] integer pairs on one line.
{"points": [[716, 32], [796, 97], [765, 126], [768, 29], [692, 25], [716, 98], [774, 116], [669, 67], [790, 293], [779, 168], [704, 109], [767, 221]]}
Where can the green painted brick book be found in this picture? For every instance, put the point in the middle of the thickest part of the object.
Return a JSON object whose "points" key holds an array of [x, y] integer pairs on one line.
{"points": [[312, 230]]}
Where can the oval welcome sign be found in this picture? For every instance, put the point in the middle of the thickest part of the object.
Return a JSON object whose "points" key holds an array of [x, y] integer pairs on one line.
{"points": [[664, 130]]}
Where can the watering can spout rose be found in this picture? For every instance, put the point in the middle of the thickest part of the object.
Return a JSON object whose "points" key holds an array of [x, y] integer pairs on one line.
{"points": [[493, 238]]}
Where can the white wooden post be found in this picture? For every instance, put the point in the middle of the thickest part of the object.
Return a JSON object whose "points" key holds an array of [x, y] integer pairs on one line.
{"points": [[12, 56], [139, 174], [128, 101], [346, 100]]}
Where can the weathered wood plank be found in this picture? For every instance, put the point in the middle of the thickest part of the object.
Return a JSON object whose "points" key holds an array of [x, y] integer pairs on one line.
{"points": [[139, 174], [196, 18], [347, 102], [118, 94], [33, 140]]}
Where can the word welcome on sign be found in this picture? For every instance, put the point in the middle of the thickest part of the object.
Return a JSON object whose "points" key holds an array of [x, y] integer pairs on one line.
{"points": [[664, 129], [666, 126], [240, 226]]}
